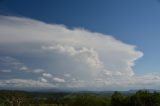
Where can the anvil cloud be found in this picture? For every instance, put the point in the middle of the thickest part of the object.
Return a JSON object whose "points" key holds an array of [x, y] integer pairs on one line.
{"points": [[38, 54]]}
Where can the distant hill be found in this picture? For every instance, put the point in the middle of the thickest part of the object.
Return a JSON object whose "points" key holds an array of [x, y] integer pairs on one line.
{"points": [[105, 93]]}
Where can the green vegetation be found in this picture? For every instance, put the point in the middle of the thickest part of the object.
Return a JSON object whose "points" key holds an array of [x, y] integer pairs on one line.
{"points": [[21, 98]]}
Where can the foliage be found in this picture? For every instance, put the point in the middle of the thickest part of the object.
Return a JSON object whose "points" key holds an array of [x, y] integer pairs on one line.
{"points": [[21, 98]]}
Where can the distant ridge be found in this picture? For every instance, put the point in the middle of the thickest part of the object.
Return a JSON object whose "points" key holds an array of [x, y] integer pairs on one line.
{"points": [[127, 92]]}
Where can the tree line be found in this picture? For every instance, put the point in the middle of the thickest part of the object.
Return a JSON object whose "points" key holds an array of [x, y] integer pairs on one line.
{"points": [[21, 98]]}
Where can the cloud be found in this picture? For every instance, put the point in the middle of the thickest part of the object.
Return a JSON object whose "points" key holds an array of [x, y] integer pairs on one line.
{"points": [[58, 79], [23, 68], [43, 80], [48, 51], [89, 55], [47, 75], [10, 62], [22, 83], [67, 75], [38, 70], [5, 70]]}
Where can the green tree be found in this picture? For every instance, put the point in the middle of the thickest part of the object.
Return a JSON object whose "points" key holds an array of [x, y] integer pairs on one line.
{"points": [[117, 99]]}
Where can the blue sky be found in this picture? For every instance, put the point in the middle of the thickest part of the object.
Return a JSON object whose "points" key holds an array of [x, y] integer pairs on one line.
{"points": [[134, 22]]}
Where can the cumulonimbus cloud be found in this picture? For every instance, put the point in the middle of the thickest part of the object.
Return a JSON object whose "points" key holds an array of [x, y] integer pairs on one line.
{"points": [[65, 57]]}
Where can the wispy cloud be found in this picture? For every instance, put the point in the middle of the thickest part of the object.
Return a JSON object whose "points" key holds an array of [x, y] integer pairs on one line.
{"points": [[6, 70]]}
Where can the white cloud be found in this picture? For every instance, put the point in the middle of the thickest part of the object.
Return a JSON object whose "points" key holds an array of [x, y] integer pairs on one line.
{"points": [[38, 70], [67, 75], [57, 50], [47, 75], [6, 70], [24, 83], [23, 68], [43, 79], [56, 79], [89, 55], [13, 63]]}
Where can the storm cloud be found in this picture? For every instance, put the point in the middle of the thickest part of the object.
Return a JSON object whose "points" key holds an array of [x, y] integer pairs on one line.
{"points": [[53, 55]]}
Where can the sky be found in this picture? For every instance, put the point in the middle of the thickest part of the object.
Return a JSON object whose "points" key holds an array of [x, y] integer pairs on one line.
{"points": [[80, 44]]}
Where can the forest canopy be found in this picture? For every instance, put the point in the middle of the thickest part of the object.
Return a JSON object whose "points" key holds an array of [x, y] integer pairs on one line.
{"points": [[22, 98]]}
